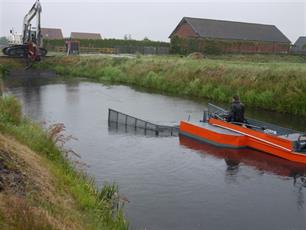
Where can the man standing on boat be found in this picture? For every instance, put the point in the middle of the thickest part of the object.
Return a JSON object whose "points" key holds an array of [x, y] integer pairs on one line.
{"points": [[237, 111]]}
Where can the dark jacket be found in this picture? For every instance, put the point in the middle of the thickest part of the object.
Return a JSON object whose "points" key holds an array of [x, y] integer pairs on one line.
{"points": [[237, 112]]}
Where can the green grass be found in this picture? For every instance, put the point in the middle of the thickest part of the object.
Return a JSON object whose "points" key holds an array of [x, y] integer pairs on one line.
{"points": [[98, 208], [260, 58], [276, 83]]}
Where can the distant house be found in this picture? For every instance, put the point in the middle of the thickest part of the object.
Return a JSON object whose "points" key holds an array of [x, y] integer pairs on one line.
{"points": [[80, 35], [52, 33], [229, 36], [299, 46]]}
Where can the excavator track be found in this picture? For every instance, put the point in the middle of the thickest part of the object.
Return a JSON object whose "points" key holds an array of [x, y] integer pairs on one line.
{"points": [[20, 51]]}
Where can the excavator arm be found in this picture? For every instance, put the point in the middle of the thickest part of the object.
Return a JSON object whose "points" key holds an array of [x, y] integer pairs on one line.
{"points": [[34, 11]]}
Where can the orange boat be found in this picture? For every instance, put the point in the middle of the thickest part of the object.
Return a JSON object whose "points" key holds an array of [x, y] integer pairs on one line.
{"points": [[214, 129]]}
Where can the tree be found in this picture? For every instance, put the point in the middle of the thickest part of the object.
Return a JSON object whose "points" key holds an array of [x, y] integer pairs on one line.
{"points": [[127, 37], [176, 45], [3, 41]]}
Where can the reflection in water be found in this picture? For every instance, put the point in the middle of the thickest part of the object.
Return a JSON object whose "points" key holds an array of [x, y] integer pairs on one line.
{"points": [[28, 78], [299, 182], [31, 95], [232, 170], [281, 119], [261, 161], [72, 92]]}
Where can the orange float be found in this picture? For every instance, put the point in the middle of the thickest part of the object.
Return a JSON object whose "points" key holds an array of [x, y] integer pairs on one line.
{"points": [[290, 145]]}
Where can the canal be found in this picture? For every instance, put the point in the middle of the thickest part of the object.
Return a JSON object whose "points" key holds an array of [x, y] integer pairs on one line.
{"points": [[172, 182]]}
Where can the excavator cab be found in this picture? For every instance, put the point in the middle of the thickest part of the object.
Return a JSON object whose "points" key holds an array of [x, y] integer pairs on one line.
{"points": [[33, 36]]}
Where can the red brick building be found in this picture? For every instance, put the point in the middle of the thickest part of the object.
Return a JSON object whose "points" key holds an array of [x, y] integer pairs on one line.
{"points": [[299, 46], [195, 34], [51, 33]]}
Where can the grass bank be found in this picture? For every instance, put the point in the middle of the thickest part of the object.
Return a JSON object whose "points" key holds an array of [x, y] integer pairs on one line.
{"points": [[39, 188], [276, 83]]}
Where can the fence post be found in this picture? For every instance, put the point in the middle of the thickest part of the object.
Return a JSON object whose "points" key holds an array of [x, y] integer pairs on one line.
{"points": [[117, 120], [156, 130], [146, 128]]}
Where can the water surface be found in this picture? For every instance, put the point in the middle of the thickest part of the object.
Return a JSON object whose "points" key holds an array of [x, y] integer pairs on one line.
{"points": [[171, 182]]}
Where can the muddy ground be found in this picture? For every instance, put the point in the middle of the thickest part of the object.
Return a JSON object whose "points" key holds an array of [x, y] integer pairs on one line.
{"points": [[12, 176]]}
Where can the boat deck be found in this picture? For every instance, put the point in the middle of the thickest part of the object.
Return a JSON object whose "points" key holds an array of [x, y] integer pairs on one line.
{"points": [[214, 128], [291, 136]]}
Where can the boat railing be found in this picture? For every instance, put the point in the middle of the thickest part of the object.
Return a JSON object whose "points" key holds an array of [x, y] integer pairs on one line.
{"points": [[216, 110], [121, 121], [220, 113], [279, 130]]}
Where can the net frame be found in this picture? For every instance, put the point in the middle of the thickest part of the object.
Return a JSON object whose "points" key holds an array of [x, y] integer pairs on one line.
{"points": [[118, 120]]}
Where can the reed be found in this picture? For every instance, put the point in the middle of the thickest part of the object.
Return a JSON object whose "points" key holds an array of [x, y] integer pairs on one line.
{"points": [[278, 84]]}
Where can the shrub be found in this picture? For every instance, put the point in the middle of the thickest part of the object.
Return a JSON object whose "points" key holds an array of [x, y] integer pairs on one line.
{"points": [[274, 86], [111, 73], [105, 43], [152, 80], [10, 110]]}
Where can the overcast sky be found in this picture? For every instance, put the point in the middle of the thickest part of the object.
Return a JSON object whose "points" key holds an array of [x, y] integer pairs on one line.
{"points": [[152, 19]]}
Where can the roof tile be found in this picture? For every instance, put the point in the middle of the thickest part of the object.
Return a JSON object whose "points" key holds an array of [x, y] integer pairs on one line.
{"points": [[208, 28]]}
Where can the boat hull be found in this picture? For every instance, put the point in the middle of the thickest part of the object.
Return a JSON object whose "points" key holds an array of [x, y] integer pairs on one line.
{"points": [[224, 134]]}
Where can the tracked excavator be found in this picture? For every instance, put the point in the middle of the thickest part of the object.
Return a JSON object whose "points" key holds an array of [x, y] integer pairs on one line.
{"points": [[31, 41]]}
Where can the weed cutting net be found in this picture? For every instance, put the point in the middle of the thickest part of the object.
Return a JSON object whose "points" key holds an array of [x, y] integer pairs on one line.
{"points": [[123, 122]]}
